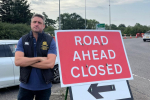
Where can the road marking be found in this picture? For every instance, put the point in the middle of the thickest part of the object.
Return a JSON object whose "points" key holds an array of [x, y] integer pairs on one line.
{"points": [[141, 77]]}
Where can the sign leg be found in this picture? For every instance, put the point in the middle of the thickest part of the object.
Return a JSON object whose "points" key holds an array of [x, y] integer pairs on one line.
{"points": [[66, 93]]}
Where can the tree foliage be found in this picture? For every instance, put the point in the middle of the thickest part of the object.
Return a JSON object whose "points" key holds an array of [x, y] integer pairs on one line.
{"points": [[71, 21], [122, 27], [11, 13], [91, 24], [114, 27], [13, 31], [49, 22], [50, 30], [129, 30], [15, 11], [106, 27], [5, 10]]}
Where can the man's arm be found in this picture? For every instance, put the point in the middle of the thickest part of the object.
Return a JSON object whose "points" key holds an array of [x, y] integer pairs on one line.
{"points": [[22, 61], [46, 64]]}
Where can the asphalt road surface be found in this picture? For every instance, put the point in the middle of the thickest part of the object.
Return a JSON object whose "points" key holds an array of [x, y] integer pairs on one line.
{"points": [[139, 58], [138, 53]]}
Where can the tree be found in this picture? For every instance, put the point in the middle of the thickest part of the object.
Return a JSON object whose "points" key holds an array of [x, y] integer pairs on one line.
{"points": [[71, 21], [13, 31], [50, 30], [128, 30], [122, 27], [15, 11], [49, 22], [6, 10], [137, 28], [113, 27], [91, 24], [106, 27], [21, 12]]}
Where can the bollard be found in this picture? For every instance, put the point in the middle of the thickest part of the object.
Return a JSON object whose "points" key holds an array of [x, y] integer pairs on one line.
{"points": [[130, 36], [124, 37]]}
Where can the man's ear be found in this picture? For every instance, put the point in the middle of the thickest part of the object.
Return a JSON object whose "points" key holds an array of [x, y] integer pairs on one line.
{"points": [[43, 26]]}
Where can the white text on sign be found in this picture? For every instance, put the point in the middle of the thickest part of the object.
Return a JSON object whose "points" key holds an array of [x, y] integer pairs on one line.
{"points": [[110, 69]]}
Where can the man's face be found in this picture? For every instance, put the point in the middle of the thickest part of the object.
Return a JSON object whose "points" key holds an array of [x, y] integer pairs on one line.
{"points": [[37, 25]]}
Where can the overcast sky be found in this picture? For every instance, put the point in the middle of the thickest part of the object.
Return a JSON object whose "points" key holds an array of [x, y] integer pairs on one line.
{"points": [[128, 12]]}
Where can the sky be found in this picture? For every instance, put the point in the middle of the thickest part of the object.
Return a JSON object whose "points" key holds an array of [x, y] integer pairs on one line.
{"points": [[128, 12]]}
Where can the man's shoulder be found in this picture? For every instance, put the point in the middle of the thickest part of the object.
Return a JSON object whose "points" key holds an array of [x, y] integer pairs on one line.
{"points": [[26, 36], [47, 35]]}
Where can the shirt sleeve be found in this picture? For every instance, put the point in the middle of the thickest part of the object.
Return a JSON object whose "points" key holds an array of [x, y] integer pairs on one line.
{"points": [[20, 46], [52, 48]]}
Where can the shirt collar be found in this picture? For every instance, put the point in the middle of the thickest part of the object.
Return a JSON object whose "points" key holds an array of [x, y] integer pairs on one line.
{"points": [[39, 34]]}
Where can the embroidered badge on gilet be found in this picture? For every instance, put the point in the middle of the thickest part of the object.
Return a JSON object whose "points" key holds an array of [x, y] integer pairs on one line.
{"points": [[44, 46]]}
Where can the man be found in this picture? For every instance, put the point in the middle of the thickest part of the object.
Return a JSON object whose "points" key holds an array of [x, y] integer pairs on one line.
{"points": [[35, 54]]}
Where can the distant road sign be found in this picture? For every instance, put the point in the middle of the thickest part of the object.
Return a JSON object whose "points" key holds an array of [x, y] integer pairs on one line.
{"points": [[87, 57], [100, 26]]}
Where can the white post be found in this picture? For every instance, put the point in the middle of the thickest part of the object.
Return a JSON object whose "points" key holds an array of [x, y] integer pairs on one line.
{"points": [[85, 14], [59, 16], [109, 16]]}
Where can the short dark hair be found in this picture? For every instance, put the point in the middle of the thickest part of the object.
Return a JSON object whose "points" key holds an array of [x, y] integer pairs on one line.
{"points": [[39, 15]]}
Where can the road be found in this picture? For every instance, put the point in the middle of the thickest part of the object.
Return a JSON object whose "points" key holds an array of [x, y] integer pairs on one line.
{"points": [[139, 57], [138, 53]]}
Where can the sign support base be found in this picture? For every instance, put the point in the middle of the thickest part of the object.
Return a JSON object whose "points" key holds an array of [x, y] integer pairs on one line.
{"points": [[66, 93]]}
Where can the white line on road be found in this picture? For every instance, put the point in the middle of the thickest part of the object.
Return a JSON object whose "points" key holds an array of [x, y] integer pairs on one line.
{"points": [[141, 77]]}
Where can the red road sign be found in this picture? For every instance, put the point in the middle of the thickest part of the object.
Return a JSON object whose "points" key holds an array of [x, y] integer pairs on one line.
{"points": [[90, 56]]}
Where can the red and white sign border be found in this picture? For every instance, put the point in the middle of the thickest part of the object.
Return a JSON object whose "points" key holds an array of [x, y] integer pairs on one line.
{"points": [[76, 84]]}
